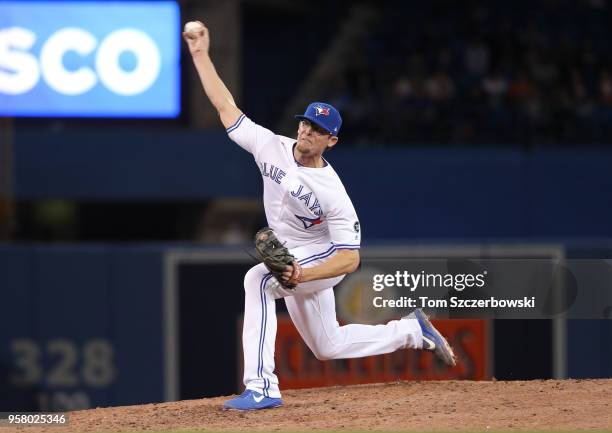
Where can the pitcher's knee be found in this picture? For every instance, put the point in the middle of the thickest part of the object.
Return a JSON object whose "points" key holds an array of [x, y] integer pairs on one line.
{"points": [[254, 277]]}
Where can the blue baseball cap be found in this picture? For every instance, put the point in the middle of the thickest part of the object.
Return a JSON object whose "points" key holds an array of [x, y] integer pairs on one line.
{"points": [[324, 115]]}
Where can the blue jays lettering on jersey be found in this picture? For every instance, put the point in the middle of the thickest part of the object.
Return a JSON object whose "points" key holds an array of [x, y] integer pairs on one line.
{"points": [[270, 170], [307, 197]]}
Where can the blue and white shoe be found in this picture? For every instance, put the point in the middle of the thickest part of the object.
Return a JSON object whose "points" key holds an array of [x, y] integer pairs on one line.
{"points": [[252, 400], [433, 340]]}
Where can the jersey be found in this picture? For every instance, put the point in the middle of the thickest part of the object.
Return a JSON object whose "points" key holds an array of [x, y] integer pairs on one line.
{"points": [[303, 205]]}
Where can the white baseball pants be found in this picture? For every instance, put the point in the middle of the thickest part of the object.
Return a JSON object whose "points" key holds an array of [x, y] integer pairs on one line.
{"points": [[312, 308]]}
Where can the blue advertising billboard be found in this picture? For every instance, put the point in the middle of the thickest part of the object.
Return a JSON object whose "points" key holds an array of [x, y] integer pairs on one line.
{"points": [[89, 59]]}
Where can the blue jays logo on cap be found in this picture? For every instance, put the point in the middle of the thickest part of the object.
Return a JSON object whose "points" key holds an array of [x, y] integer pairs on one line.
{"points": [[324, 115], [322, 111]]}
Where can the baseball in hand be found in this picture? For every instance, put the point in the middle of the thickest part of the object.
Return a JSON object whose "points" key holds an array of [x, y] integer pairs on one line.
{"points": [[193, 26]]}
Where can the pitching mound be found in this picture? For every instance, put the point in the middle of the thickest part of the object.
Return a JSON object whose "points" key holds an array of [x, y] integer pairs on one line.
{"points": [[553, 405]]}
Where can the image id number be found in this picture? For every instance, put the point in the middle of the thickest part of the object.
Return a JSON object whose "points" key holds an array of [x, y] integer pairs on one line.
{"points": [[35, 418]]}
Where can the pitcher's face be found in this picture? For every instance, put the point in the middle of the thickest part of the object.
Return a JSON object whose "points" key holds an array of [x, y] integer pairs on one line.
{"points": [[312, 139]]}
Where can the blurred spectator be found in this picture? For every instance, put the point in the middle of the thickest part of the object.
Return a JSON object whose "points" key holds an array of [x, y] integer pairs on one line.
{"points": [[521, 88], [476, 58], [495, 87], [605, 88], [439, 87]]}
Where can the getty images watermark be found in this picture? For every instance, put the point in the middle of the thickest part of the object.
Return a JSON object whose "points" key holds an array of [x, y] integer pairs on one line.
{"points": [[499, 288], [452, 284]]}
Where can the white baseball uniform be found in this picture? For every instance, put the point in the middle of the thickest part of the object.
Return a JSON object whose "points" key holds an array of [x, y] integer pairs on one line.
{"points": [[311, 212]]}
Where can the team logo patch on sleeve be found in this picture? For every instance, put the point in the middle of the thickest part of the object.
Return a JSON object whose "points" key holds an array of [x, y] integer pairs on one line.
{"points": [[356, 226], [309, 222]]}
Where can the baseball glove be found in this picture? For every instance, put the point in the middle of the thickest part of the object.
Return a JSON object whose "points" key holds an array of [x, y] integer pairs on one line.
{"points": [[274, 254]]}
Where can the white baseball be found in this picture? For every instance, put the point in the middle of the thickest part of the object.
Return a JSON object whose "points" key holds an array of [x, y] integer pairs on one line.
{"points": [[193, 26]]}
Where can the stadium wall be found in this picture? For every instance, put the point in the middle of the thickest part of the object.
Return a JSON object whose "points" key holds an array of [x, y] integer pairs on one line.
{"points": [[407, 193]]}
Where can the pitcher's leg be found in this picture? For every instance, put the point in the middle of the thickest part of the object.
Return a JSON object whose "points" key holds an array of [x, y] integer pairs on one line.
{"points": [[314, 315], [259, 333]]}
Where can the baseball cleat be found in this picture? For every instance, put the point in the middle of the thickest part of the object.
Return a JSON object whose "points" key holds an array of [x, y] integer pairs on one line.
{"points": [[433, 340], [252, 400]]}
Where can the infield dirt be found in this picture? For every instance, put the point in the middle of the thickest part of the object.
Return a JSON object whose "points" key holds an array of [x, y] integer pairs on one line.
{"points": [[551, 405]]}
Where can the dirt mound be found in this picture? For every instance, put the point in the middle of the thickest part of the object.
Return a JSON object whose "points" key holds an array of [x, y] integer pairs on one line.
{"points": [[553, 405]]}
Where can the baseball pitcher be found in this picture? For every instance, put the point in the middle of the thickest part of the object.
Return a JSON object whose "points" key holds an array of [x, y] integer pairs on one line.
{"points": [[312, 243]]}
